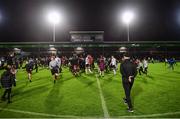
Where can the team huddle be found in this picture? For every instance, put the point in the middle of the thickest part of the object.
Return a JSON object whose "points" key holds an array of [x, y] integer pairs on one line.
{"points": [[77, 64]]}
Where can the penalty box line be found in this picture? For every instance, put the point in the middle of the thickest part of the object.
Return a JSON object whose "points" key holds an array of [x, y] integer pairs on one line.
{"points": [[103, 102]]}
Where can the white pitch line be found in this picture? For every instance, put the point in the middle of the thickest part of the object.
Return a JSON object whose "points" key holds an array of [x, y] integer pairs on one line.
{"points": [[78, 117], [151, 115], [104, 107], [37, 113]]}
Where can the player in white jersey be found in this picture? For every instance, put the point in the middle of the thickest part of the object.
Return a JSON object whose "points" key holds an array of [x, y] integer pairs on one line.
{"points": [[145, 65], [54, 68], [58, 60], [88, 64], [113, 64]]}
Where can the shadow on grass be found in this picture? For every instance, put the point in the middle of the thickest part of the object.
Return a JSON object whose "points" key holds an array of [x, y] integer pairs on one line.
{"points": [[4, 106], [88, 82], [176, 72], [109, 80], [18, 90], [30, 92], [62, 80], [168, 78], [151, 77], [144, 78], [136, 91], [54, 98]]}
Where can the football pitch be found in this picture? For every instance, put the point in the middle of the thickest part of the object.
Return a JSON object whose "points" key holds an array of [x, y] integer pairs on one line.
{"points": [[90, 96]]}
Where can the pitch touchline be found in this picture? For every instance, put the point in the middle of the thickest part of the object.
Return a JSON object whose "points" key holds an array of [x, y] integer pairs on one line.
{"points": [[36, 113], [104, 107], [152, 115], [68, 116]]}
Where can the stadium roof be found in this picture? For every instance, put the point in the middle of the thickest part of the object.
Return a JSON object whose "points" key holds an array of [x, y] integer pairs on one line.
{"points": [[91, 44], [79, 32]]}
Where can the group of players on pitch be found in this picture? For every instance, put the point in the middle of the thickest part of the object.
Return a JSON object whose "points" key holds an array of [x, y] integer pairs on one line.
{"points": [[77, 65]]}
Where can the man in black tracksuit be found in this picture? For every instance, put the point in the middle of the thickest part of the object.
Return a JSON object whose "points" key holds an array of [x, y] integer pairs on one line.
{"points": [[128, 71]]}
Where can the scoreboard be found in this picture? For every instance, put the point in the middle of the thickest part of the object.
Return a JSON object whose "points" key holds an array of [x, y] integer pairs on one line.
{"points": [[87, 36]]}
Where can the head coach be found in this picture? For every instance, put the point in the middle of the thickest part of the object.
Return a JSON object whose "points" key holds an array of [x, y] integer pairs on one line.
{"points": [[128, 71]]}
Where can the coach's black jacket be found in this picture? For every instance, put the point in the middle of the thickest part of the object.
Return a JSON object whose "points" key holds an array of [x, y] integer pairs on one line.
{"points": [[127, 69]]}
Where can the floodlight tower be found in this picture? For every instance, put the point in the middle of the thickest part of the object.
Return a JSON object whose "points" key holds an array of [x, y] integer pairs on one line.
{"points": [[54, 18], [1, 17], [127, 18]]}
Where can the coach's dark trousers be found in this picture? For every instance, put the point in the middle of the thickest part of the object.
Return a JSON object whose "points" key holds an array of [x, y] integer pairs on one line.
{"points": [[127, 89], [7, 91]]}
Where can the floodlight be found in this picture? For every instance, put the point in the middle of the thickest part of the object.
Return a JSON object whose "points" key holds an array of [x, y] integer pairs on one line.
{"points": [[127, 17], [54, 17]]}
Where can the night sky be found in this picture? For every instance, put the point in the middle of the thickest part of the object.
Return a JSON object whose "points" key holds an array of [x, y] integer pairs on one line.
{"points": [[24, 20]]}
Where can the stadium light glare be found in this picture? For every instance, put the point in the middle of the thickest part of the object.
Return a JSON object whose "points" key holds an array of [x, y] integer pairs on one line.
{"points": [[54, 17], [127, 18]]}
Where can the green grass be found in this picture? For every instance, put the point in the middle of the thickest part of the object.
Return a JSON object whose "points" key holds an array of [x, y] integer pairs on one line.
{"points": [[156, 93]]}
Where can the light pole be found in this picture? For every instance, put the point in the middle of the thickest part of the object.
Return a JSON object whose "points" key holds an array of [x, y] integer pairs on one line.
{"points": [[54, 18], [127, 18], [54, 32], [0, 17]]}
